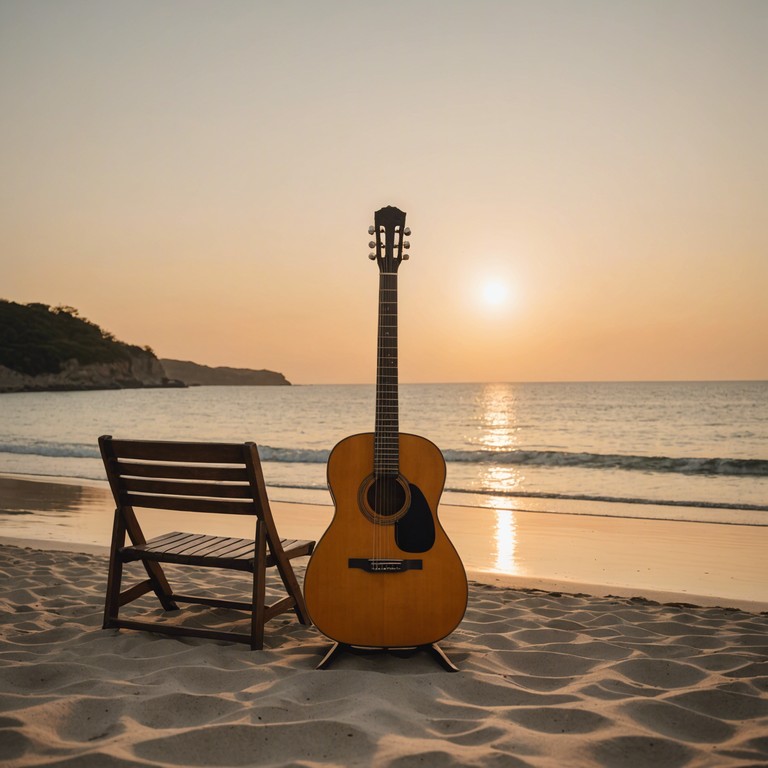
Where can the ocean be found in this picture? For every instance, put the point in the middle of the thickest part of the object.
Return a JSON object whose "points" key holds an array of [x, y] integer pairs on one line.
{"points": [[670, 450]]}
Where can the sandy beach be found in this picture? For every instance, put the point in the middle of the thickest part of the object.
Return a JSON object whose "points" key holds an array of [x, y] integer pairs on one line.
{"points": [[551, 674]]}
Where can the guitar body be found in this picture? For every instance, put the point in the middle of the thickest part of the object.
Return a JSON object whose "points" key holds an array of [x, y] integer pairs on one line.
{"points": [[385, 580]]}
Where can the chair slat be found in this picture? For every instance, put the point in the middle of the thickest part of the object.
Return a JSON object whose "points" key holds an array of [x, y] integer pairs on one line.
{"points": [[166, 537], [184, 559], [207, 546], [236, 547], [158, 450], [188, 546], [243, 552], [182, 471], [212, 547], [169, 545], [190, 505], [198, 545], [173, 488]]}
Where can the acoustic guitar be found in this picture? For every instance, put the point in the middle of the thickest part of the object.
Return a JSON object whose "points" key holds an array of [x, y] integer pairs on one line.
{"points": [[385, 574]]}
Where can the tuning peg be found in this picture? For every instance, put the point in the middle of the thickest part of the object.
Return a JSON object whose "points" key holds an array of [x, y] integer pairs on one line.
{"points": [[371, 256], [371, 229], [406, 256], [407, 231], [406, 245], [372, 244]]}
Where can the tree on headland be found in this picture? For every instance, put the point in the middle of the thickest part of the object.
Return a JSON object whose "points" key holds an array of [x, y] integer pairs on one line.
{"points": [[37, 339]]}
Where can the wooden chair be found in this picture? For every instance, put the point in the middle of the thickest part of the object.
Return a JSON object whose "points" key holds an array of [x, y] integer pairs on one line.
{"points": [[218, 478]]}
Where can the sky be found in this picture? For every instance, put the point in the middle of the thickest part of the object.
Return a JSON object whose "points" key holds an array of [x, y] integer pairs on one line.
{"points": [[586, 182]]}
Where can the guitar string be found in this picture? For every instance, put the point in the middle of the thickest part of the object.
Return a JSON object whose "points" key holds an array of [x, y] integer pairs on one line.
{"points": [[378, 437], [379, 480], [391, 487], [387, 386], [386, 435], [377, 433], [384, 483]]}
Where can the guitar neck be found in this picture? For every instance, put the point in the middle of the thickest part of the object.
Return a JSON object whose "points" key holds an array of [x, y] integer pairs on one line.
{"points": [[386, 453]]}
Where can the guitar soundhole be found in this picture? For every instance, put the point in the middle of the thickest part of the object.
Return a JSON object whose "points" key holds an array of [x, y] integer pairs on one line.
{"points": [[385, 499]]}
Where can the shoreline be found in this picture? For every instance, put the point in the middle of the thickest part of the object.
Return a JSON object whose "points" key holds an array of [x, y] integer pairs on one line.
{"points": [[708, 564]]}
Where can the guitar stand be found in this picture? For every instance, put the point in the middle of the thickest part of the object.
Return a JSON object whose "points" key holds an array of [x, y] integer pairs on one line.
{"points": [[433, 648]]}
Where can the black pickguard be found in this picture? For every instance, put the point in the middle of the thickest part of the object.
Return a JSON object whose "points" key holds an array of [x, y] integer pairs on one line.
{"points": [[415, 530]]}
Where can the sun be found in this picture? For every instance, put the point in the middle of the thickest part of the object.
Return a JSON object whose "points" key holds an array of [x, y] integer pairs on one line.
{"points": [[495, 293]]}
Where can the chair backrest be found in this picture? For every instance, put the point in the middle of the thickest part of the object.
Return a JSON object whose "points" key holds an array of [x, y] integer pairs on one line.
{"points": [[219, 478]]}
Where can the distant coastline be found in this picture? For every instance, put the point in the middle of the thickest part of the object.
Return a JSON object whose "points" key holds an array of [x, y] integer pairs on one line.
{"points": [[195, 374], [53, 349]]}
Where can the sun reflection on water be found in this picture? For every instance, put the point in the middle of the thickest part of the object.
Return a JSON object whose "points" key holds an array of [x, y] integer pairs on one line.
{"points": [[500, 426], [505, 537], [498, 419], [501, 479]]}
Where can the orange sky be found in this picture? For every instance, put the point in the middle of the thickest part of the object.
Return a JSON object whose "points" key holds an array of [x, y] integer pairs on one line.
{"points": [[200, 177]]}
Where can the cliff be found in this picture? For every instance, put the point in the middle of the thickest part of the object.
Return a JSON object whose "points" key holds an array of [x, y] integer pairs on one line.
{"points": [[194, 374], [44, 348], [135, 372]]}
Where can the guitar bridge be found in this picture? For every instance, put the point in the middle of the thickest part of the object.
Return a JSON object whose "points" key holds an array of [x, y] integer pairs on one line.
{"points": [[384, 564]]}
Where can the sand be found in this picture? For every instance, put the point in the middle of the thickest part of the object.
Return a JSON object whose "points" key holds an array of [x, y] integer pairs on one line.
{"points": [[547, 679]]}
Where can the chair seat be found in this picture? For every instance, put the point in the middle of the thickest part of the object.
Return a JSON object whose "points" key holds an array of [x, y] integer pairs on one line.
{"points": [[199, 549]]}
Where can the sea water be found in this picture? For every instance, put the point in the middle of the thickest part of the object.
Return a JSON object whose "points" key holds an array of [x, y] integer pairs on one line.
{"points": [[693, 451]]}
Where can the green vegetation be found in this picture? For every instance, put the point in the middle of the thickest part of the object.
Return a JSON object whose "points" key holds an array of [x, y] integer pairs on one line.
{"points": [[36, 339]]}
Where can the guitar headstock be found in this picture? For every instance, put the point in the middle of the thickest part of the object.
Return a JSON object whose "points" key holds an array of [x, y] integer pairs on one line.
{"points": [[390, 230]]}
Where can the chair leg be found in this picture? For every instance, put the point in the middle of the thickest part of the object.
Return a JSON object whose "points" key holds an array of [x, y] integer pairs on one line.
{"points": [[160, 585], [115, 572], [291, 584], [259, 590], [301, 609], [154, 570]]}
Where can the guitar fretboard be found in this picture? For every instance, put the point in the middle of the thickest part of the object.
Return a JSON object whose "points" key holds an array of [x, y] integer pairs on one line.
{"points": [[386, 454]]}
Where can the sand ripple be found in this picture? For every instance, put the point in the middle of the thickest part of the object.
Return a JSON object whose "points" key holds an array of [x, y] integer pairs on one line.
{"points": [[547, 680]]}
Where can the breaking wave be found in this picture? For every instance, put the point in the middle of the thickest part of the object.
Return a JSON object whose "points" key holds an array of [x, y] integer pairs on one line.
{"points": [[686, 466], [664, 464]]}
